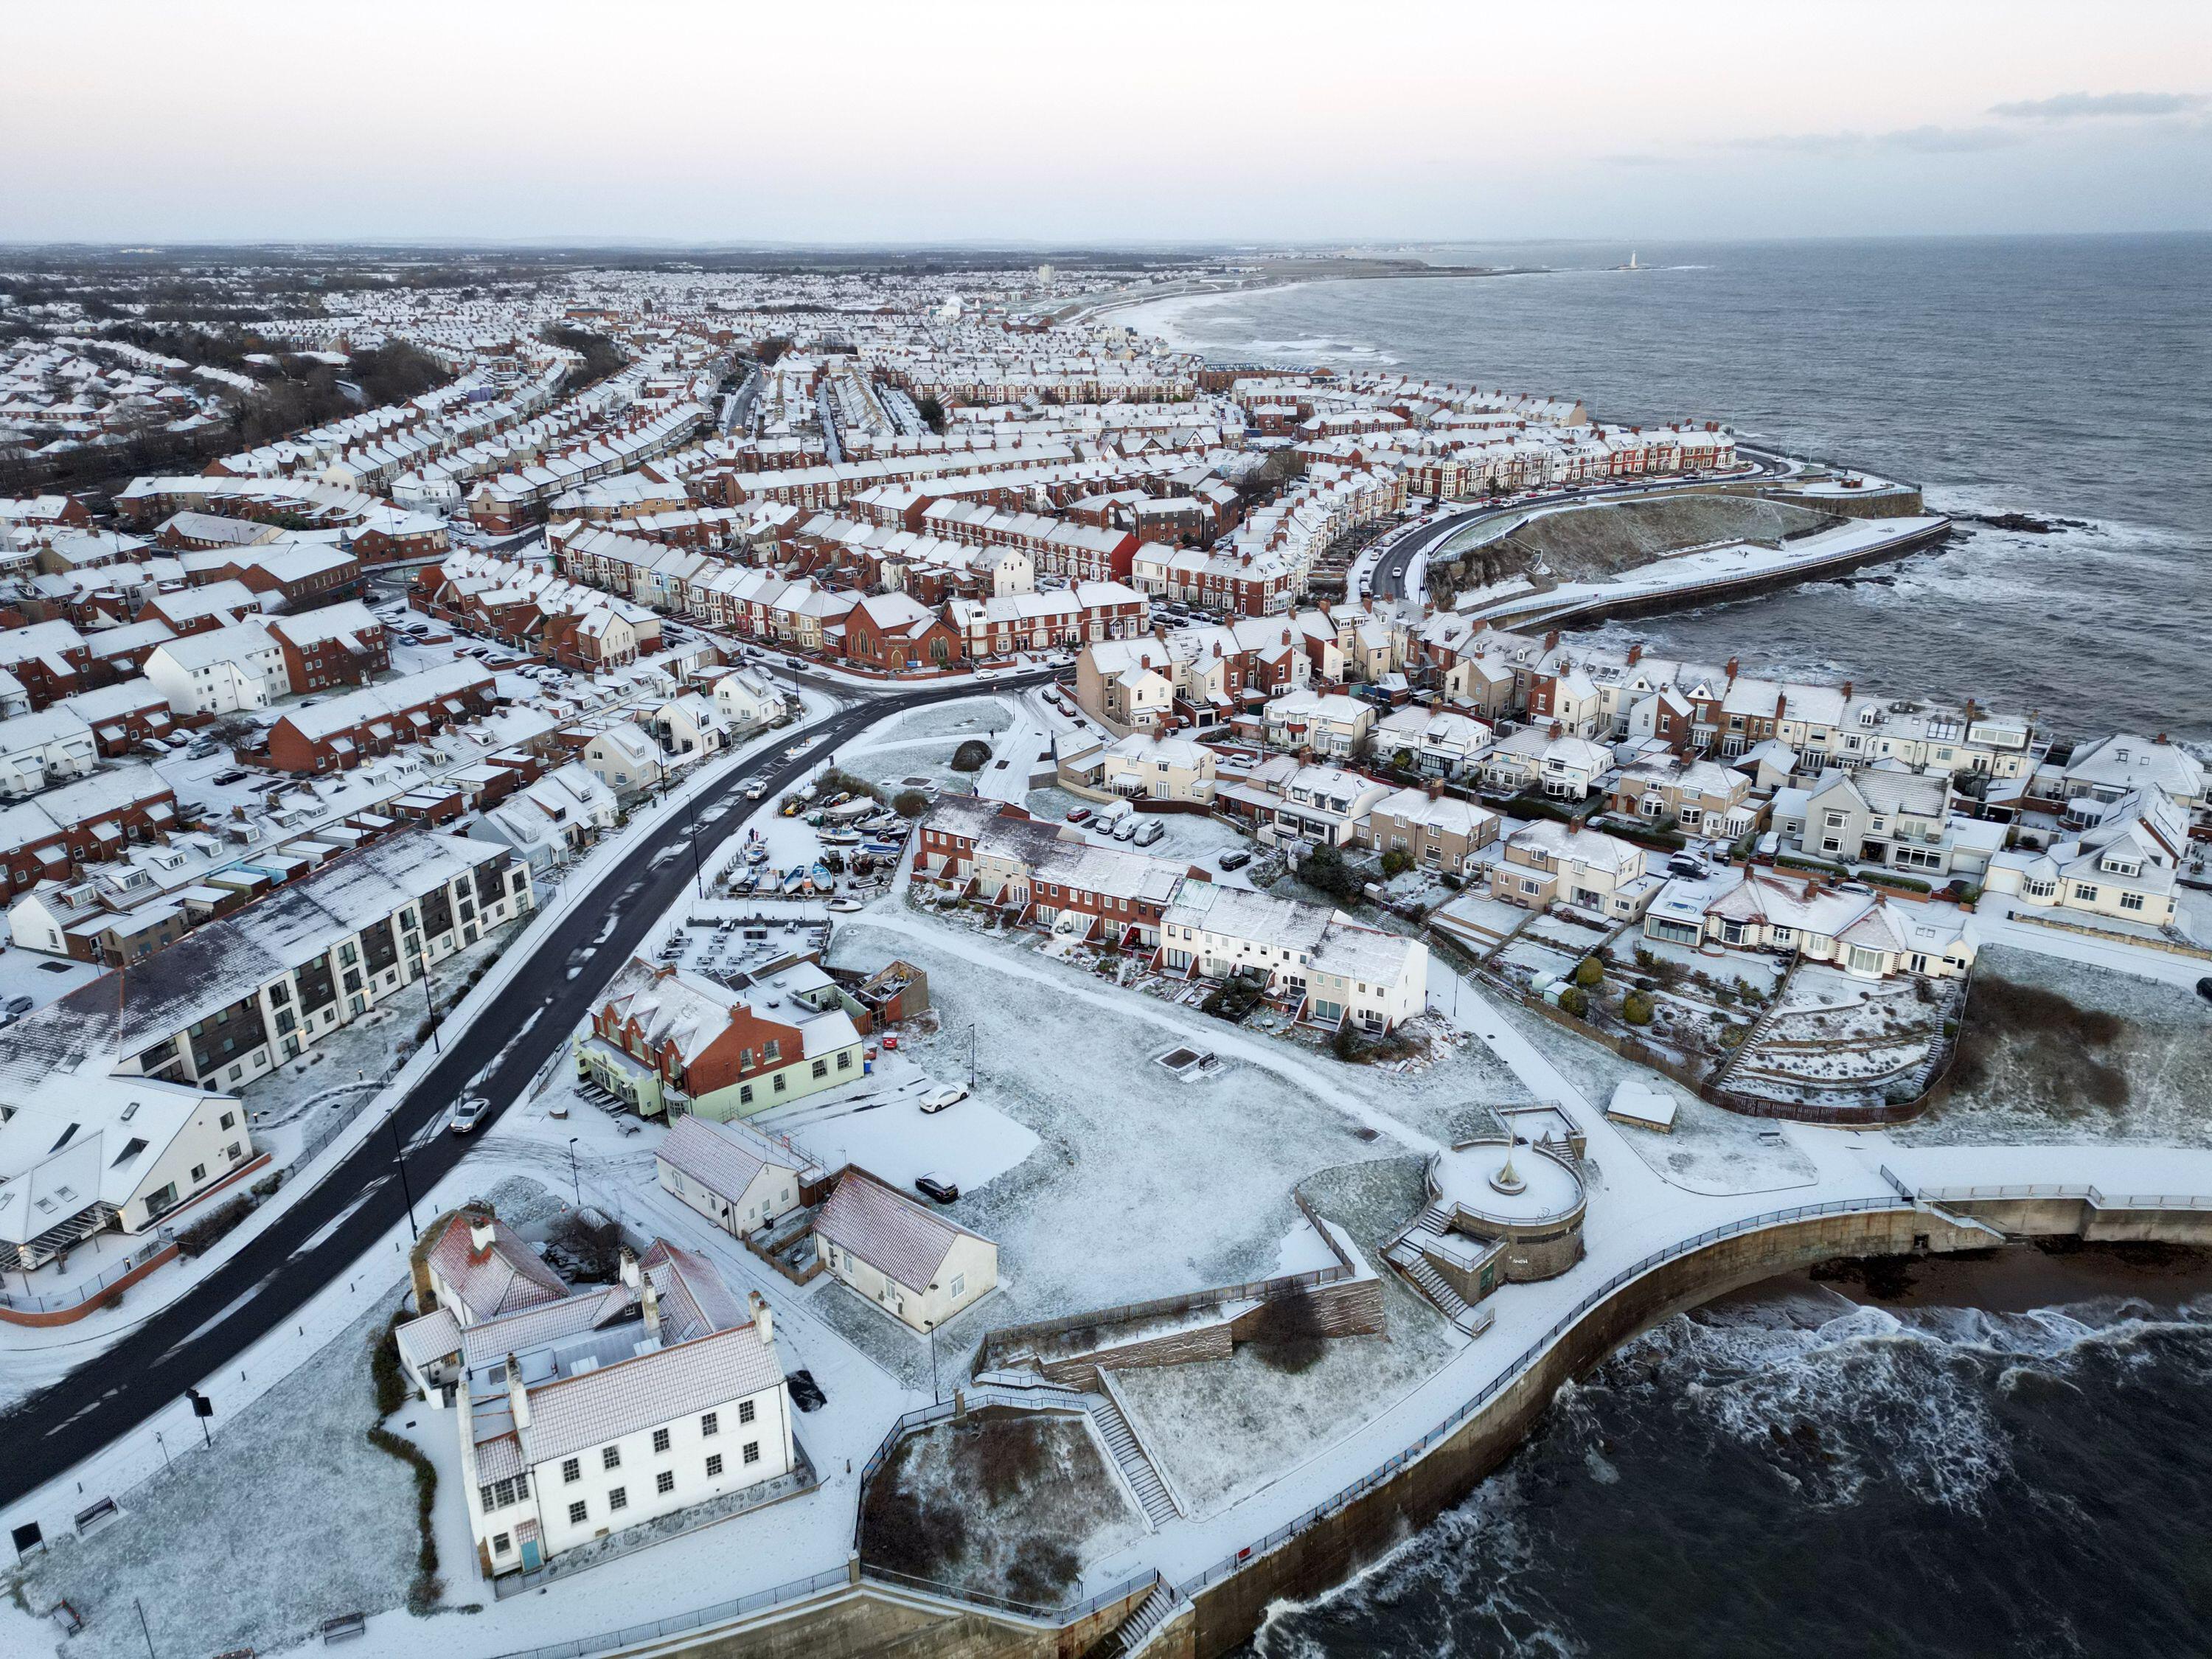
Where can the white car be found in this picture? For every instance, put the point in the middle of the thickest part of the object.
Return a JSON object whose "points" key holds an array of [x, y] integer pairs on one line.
{"points": [[938, 1099], [756, 789], [471, 1111]]}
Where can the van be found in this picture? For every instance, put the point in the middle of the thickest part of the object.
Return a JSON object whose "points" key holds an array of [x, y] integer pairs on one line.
{"points": [[1150, 831], [1127, 828]]}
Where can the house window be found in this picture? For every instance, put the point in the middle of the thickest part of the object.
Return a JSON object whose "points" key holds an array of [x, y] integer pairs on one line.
{"points": [[2131, 901], [710, 1423], [618, 1498], [611, 1457], [752, 1451], [821, 1068], [959, 1286], [500, 1543], [2084, 892], [745, 1411], [572, 1471], [660, 1440], [715, 1466], [577, 1511], [665, 1482]]}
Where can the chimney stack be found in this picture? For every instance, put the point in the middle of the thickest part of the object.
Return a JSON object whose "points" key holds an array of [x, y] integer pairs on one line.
{"points": [[628, 1267], [1635, 654], [481, 1234], [1847, 690], [518, 1397], [649, 1300], [1730, 670], [764, 1318]]}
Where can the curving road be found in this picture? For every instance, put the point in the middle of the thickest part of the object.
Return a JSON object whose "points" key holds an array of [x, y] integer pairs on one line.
{"points": [[1388, 580], [360, 1199]]}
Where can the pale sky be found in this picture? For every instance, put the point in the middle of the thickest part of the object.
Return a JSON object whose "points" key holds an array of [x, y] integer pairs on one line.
{"points": [[954, 120]]}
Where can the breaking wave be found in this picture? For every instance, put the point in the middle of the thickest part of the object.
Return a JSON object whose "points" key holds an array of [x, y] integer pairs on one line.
{"points": [[1769, 1458]]}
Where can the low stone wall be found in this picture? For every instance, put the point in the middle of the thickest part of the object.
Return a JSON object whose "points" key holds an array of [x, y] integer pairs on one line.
{"points": [[1351, 1307], [1209, 1339]]}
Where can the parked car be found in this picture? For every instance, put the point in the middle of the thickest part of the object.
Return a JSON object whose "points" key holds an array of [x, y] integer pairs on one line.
{"points": [[471, 1111], [936, 1187], [1126, 830], [19, 1006], [938, 1099], [1150, 831], [1235, 860], [1079, 814]]}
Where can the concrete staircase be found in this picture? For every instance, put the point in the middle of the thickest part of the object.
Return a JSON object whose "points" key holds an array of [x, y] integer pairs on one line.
{"points": [[1139, 1627], [1133, 1460], [1406, 1255]]}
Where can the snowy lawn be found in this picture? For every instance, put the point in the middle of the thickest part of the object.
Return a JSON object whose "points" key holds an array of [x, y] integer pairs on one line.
{"points": [[890, 768], [1011, 1503], [2076, 1052], [1223, 1427], [293, 1519], [1142, 1185], [1713, 1150]]}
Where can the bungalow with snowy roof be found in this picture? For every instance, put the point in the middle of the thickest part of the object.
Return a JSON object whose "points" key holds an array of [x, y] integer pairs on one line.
{"points": [[908, 1261], [1545, 862], [609, 1408], [737, 1178], [1142, 767], [1867, 934], [2117, 767], [2123, 864], [668, 1041], [550, 819]]}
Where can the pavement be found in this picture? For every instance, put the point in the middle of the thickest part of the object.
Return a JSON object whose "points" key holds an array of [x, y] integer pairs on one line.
{"points": [[326, 1230]]}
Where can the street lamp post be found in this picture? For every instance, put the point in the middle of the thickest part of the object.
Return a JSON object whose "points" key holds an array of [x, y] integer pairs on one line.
{"points": [[575, 1181]]}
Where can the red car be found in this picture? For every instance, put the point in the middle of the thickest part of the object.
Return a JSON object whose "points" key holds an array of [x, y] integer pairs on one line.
{"points": [[1079, 814]]}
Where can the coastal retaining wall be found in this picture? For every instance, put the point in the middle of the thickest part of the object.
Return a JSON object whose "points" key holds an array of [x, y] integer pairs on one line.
{"points": [[1223, 1615]]}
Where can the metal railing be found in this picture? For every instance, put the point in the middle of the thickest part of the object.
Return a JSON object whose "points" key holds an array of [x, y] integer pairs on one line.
{"points": [[798, 1589], [86, 1290], [1512, 1373]]}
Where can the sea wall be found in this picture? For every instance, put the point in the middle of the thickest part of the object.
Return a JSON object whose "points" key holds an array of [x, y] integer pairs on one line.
{"points": [[1222, 1615]]}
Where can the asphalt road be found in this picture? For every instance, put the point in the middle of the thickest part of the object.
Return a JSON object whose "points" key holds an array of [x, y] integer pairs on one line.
{"points": [[1388, 578], [271, 1278]]}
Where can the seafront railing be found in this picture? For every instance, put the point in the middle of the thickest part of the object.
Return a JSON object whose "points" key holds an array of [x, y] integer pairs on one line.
{"points": [[1235, 1563]]}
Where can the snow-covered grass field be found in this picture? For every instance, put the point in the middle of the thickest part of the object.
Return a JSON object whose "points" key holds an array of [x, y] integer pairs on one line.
{"points": [[1139, 1184], [292, 1518], [2043, 1075]]}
